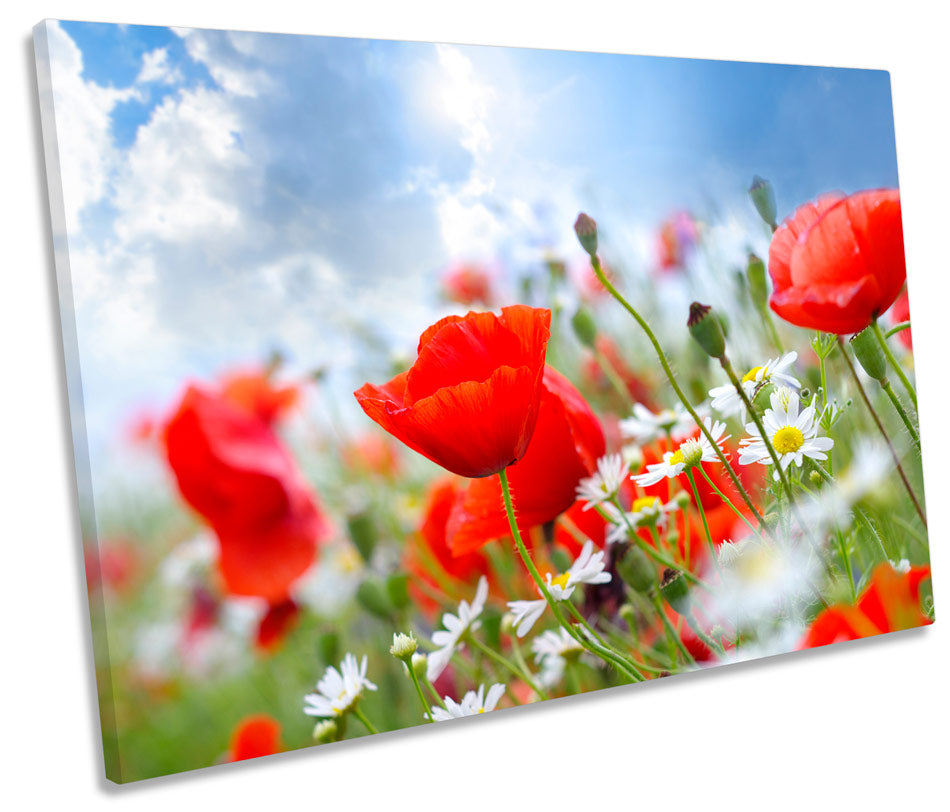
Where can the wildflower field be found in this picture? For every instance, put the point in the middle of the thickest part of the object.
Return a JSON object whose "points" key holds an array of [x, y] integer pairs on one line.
{"points": [[564, 491], [414, 381]]}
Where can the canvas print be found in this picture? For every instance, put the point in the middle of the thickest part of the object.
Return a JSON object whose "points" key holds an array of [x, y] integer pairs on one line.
{"points": [[412, 381]]}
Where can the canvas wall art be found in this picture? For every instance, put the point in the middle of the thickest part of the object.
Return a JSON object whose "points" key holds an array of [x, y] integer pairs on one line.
{"points": [[415, 381]]}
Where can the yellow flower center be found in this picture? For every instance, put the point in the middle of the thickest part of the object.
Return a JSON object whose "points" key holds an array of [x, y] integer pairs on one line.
{"points": [[750, 375], [561, 580], [481, 710], [677, 457], [788, 440], [646, 501]]}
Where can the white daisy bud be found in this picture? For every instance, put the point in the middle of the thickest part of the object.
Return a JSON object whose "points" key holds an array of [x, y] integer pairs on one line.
{"points": [[325, 730], [404, 646]]}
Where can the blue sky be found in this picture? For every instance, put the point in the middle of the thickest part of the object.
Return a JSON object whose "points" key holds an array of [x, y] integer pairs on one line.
{"points": [[228, 194]]}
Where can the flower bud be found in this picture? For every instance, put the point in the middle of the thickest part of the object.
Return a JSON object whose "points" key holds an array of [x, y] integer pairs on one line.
{"points": [[816, 479], [362, 531], [325, 730], [397, 590], [869, 354], [758, 287], [419, 662], [584, 327], [763, 198], [560, 559], [706, 328], [635, 568], [586, 230], [404, 646], [675, 590], [372, 597], [507, 625]]}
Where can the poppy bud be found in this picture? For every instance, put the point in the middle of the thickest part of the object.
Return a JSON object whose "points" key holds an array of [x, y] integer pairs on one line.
{"points": [[869, 354], [372, 597], [635, 568], [763, 397], [560, 559], [362, 531], [629, 615], [584, 327], [397, 590], [706, 328], [586, 230], [328, 647], [763, 198], [675, 590], [758, 287]]}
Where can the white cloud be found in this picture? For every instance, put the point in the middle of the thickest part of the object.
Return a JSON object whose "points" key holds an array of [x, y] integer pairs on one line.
{"points": [[155, 68], [82, 109]]}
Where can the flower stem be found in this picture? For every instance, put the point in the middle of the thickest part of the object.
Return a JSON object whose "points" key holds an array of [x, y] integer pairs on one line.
{"points": [[612, 376], [426, 712], [505, 663], [605, 654], [358, 713], [899, 408], [905, 381], [599, 271], [702, 513], [726, 500], [674, 641], [904, 325], [882, 430]]}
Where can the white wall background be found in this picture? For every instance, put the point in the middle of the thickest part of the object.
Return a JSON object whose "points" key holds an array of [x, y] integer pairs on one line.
{"points": [[864, 721]]}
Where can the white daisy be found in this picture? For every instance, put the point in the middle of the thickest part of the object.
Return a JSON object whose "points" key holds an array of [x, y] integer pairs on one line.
{"points": [[471, 705], [690, 454], [646, 426], [726, 400], [339, 691], [647, 511], [793, 434], [588, 568], [455, 627], [611, 471], [552, 649]]}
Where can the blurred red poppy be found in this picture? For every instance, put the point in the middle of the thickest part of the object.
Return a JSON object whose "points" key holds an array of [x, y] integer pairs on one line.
{"points": [[373, 453], [112, 563], [255, 736], [594, 375], [565, 447], [900, 313], [234, 471], [838, 263], [675, 237], [470, 401], [256, 391], [468, 284], [890, 602], [276, 624], [427, 555]]}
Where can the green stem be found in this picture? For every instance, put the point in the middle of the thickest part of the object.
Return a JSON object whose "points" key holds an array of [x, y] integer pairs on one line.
{"points": [[726, 500], [604, 654], [583, 621], [905, 381], [899, 408], [433, 692], [882, 430], [599, 271], [773, 331], [358, 713], [672, 635], [612, 376], [904, 325], [427, 712], [710, 643], [702, 513], [505, 663]]}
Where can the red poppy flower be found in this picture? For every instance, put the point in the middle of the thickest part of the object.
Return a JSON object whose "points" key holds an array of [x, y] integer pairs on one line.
{"points": [[468, 284], [566, 444], [428, 557], [255, 736], [234, 471], [900, 313], [276, 624], [256, 391], [470, 401], [891, 602], [838, 263]]}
